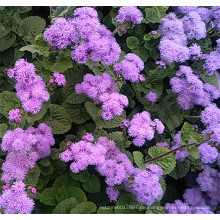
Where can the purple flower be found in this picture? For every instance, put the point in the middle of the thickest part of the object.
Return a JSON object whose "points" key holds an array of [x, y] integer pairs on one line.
{"points": [[15, 200], [178, 207], [15, 115], [59, 79], [141, 128], [129, 14], [130, 68], [112, 193], [152, 97], [30, 88], [207, 153]]}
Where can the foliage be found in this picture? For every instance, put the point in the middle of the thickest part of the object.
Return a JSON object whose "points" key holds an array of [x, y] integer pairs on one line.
{"points": [[71, 115]]}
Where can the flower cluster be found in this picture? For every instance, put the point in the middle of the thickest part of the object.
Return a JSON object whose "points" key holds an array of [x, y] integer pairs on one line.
{"points": [[15, 200], [194, 27], [30, 87], [15, 115], [152, 97], [146, 185], [191, 90], [207, 153], [208, 181], [176, 31], [130, 68], [58, 78], [211, 118], [142, 128], [95, 86], [60, 34], [115, 167], [173, 43], [112, 105], [103, 91], [129, 14], [89, 38], [25, 147]]}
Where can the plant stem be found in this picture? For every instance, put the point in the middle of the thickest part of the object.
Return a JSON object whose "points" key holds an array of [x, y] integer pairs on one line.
{"points": [[114, 32]]}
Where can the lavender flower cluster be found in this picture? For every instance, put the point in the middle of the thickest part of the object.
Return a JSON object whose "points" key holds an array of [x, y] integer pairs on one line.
{"points": [[90, 39], [202, 197], [24, 148], [191, 90], [58, 78], [103, 91], [176, 31], [115, 167], [192, 26], [129, 14], [15, 200], [15, 115], [142, 128], [30, 87], [130, 68]]}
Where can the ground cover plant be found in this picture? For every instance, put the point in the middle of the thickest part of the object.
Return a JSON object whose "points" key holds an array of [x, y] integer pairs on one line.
{"points": [[109, 110]]}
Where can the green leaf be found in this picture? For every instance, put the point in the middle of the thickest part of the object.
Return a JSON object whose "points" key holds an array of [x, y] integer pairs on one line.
{"points": [[3, 129], [3, 31], [23, 9], [45, 162], [188, 134], [42, 46], [61, 11], [48, 196], [132, 42], [139, 160], [155, 13], [57, 118], [142, 53], [84, 208], [193, 151], [32, 118], [73, 98], [82, 176], [181, 169], [68, 192], [7, 41], [32, 26], [93, 184], [32, 177], [210, 79], [59, 63], [65, 206], [65, 180], [30, 48], [167, 162], [47, 170], [93, 110], [77, 113], [120, 139], [8, 101]]}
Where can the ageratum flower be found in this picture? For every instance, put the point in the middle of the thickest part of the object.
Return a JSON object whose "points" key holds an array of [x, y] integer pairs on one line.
{"points": [[129, 14], [142, 128], [30, 88], [25, 147], [15, 200], [130, 68]]}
